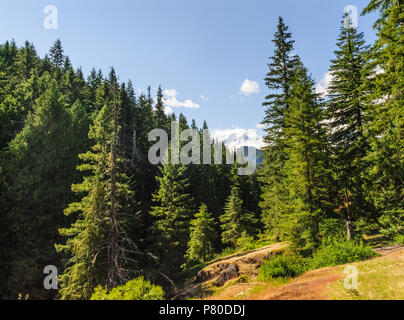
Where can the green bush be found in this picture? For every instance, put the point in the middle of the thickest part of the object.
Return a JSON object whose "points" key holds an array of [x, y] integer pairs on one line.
{"points": [[399, 239], [136, 289], [245, 242], [285, 266], [340, 252]]}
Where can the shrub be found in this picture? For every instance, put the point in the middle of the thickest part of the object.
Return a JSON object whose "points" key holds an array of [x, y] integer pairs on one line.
{"points": [[245, 242], [340, 252], [136, 289], [399, 239], [285, 266]]}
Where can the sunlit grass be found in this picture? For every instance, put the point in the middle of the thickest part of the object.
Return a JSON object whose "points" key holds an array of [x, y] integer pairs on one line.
{"points": [[379, 279]]}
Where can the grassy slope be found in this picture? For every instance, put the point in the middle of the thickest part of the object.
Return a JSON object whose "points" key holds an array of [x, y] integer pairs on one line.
{"points": [[379, 278]]}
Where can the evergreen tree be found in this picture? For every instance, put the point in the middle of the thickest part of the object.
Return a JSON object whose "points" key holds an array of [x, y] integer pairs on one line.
{"points": [[100, 251], [202, 234], [56, 54], [26, 60], [235, 219], [384, 174], [346, 117], [173, 212], [307, 177], [161, 118], [279, 81], [42, 151]]}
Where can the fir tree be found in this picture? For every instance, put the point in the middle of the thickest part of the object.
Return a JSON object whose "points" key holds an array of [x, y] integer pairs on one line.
{"points": [[161, 118], [173, 212], [346, 117], [279, 81], [42, 151], [202, 235], [384, 174], [307, 177], [235, 219], [56, 54], [98, 244]]}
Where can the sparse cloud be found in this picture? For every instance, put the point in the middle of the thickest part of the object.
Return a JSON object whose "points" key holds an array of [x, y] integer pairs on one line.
{"points": [[171, 101], [260, 126], [235, 138], [249, 87], [204, 97], [323, 84], [168, 110]]}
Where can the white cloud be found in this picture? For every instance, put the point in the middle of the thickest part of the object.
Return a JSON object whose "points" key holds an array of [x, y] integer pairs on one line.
{"points": [[237, 137], [168, 110], [260, 126], [249, 87], [323, 84], [204, 97], [171, 101]]}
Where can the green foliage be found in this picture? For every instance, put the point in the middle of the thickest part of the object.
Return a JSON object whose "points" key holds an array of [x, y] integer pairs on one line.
{"points": [[399, 239], [202, 233], [136, 289], [97, 244], [279, 81], [346, 113], [285, 266], [235, 220], [172, 211], [384, 174], [340, 252], [245, 242]]}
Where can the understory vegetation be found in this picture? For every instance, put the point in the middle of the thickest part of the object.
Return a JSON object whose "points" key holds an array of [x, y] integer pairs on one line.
{"points": [[292, 264]]}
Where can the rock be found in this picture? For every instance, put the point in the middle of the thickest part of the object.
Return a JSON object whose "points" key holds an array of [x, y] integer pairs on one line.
{"points": [[229, 273], [203, 276]]}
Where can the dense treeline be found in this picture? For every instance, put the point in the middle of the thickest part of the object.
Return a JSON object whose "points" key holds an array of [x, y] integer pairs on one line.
{"points": [[80, 147], [335, 161], [78, 191]]}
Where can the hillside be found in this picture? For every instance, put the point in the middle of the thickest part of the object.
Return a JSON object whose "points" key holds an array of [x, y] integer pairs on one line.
{"points": [[379, 278], [236, 267]]}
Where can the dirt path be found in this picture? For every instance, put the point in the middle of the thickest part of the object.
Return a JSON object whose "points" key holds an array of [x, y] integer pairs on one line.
{"points": [[313, 285]]}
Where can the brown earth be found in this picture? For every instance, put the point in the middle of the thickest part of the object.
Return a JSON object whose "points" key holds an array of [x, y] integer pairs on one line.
{"points": [[223, 271], [313, 285]]}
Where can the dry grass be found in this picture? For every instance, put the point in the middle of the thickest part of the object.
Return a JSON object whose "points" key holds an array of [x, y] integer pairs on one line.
{"points": [[379, 279], [248, 264]]}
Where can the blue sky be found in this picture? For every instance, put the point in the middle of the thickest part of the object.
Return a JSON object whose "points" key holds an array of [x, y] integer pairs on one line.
{"points": [[202, 50]]}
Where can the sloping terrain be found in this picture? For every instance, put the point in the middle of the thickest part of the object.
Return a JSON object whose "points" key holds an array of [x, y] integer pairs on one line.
{"points": [[379, 278], [241, 266]]}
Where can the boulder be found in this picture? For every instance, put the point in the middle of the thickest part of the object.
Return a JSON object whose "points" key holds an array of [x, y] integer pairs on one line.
{"points": [[203, 276], [229, 273]]}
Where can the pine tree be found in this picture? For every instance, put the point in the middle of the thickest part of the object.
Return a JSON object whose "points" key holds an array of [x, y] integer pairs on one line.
{"points": [[161, 118], [173, 212], [26, 60], [307, 178], [235, 219], [202, 234], [384, 174], [100, 251], [42, 151], [56, 54], [347, 121], [279, 81]]}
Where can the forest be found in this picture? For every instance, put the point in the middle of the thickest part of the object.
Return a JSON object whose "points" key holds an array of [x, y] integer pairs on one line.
{"points": [[77, 190]]}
